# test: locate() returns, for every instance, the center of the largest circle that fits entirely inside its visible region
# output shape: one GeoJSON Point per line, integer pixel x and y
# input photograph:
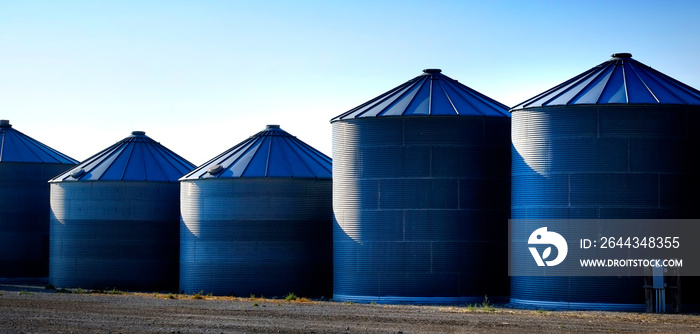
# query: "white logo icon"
{"type": "Point", "coordinates": [542, 237]}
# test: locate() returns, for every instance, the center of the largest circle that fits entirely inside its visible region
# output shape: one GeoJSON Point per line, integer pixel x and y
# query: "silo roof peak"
{"type": "Point", "coordinates": [134, 158]}
{"type": "Point", "coordinates": [622, 55]}
{"type": "Point", "coordinates": [272, 152]}
{"type": "Point", "coordinates": [15, 146]}
{"type": "Point", "coordinates": [429, 94]}
{"type": "Point", "coordinates": [619, 80]}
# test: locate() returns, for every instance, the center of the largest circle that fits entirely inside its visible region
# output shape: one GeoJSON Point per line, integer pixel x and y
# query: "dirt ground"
{"type": "Point", "coordinates": [33, 309]}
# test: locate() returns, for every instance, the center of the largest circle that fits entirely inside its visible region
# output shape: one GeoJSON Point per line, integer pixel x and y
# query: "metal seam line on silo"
{"type": "Point", "coordinates": [610, 143]}
{"type": "Point", "coordinates": [25, 166]}
{"type": "Point", "coordinates": [256, 219]}
{"type": "Point", "coordinates": [421, 195]}
{"type": "Point", "coordinates": [115, 218]}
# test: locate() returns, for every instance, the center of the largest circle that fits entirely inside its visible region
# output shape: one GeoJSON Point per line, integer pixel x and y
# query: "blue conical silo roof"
{"type": "Point", "coordinates": [15, 146]}
{"type": "Point", "coordinates": [269, 153]}
{"type": "Point", "coordinates": [134, 158]}
{"type": "Point", "coordinates": [431, 93]}
{"type": "Point", "coordinates": [620, 80]}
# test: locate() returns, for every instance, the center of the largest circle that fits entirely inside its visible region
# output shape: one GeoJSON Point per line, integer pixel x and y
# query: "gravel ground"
{"type": "Point", "coordinates": [32, 309]}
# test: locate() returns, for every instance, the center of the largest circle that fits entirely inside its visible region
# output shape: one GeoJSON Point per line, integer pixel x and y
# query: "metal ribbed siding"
{"type": "Point", "coordinates": [24, 218]}
{"type": "Point", "coordinates": [579, 293]}
{"type": "Point", "coordinates": [420, 208]}
{"type": "Point", "coordinates": [607, 162]}
{"type": "Point", "coordinates": [115, 235]}
{"type": "Point", "coordinates": [262, 236]}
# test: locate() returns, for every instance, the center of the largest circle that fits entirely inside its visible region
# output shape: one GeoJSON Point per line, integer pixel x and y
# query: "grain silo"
{"type": "Point", "coordinates": [257, 220]}
{"type": "Point", "coordinates": [421, 195]}
{"type": "Point", "coordinates": [115, 218]}
{"type": "Point", "coordinates": [25, 167]}
{"type": "Point", "coordinates": [614, 142]}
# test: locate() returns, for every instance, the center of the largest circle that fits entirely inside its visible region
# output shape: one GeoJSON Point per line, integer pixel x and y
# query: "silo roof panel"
{"type": "Point", "coordinates": [308, 156]}
{"type": "Point", "coordinates": [475, 104]}
{"type": "Point", "coordinates": [431, 93]}
{"type": "Point", "coordinates": [615, 89]}
{"type": "Point", "coordinates": [567, 95]}
{"type": "Point", "coordinates": [661, 92]}
{"type": "Point", "coordinates": [101, 167]}
{"type": "Point", "coordinates": [420, 105]}
{"type": "Point", "coordinates": [135, 158]}
{"type": "Point", "coordinates": [620, 80]}
{"type": "Point", "coordinates": [278, 163]}
{"type": "Point", "coordinates": [635, 84]}
{"type": "Point", "coordinates": [259, 161]}
{"type": "Point", "coordinates": [271, 153]}
{"type": "Point", "coordinates": [135, 167]}
{"type": "Point", "coordinates": [381, 106]}
{"type": "Point", "coordinates": [441, 101]}
{"type": "Point", "coordinates": [241, 164]}
{"type": "Point", "coordinates": [670, 90]}
{"type": "Point", "coordinates": [593, 87]}
{"type": "Point", "coordinates": [15, 146]}
{"type": "Point", "coordinates": [400, 104]}
{"type": "Point", "coordinates": [381, 103]}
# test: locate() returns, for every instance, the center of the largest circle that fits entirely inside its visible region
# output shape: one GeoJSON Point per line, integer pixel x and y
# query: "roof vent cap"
{"type": "Point", "coordinates": [5, 123]}
{"type": "Point", "coordinates": [272, 126]}
{"type": "Point", "coordinates": [432, 70]}
{"type": "Point", "coordinates": [76, 173]}
{"type": "Point", "coordinates": [138, 133]}
{"type": "Point", "coordinates": [216, 169]}
{"type": "Point", "coordinates": [622, 55]}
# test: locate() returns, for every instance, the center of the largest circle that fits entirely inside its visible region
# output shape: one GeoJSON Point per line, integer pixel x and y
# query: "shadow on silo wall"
{"type": "Point", "coordinates": [122, 235]}
{"type": "Point", "coordinates": [421, 206]}
{"type": "Point", "coordinates": [24, 217]}
{"type": "Point", "coordinates": [608, 162]}
{"type": "Point", "coordinates": [256, 236]}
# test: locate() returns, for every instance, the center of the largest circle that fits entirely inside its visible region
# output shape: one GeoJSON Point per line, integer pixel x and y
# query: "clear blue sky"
{"type": "Point", "coordinates": [200, 76]}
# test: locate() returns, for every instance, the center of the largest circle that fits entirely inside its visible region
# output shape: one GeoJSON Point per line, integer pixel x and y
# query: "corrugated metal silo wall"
{"type": "Point", "coordinates": [421, 208]}
{"type": "Point", "coordinates": [607, 162]}
{"type": "Point", "coordinates": [122, 235]}
{"type": "Point", "coordinates": [266, 237]}
{"type": "Point", "coordinates": [24, 218]}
